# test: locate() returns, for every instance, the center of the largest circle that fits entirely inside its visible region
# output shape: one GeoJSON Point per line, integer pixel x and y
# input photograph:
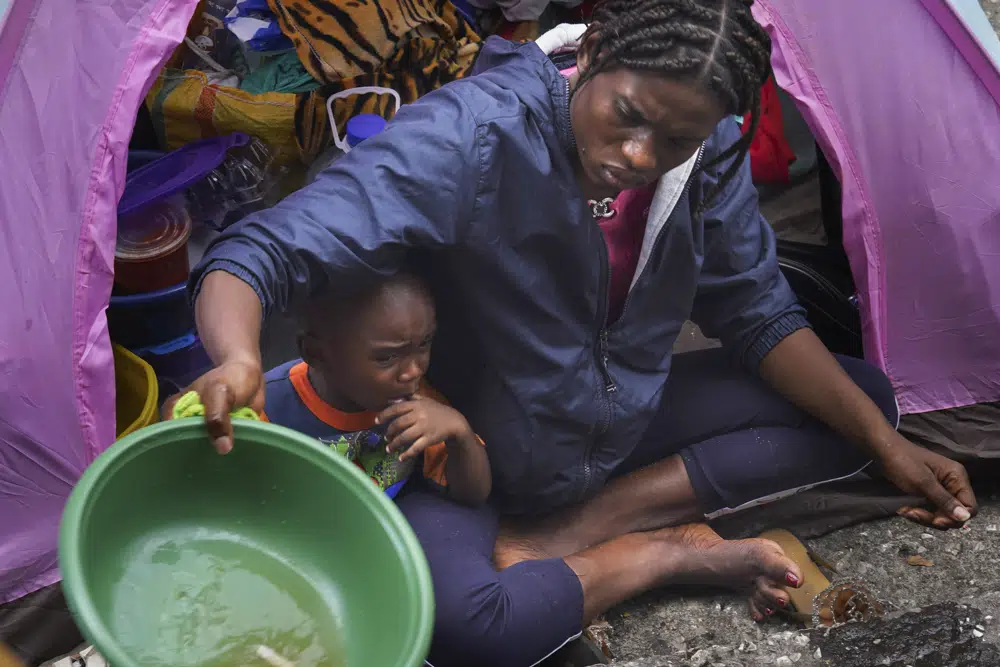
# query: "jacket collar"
{"type": "Point", "coordinates": [554, 91]}
{"type": "Point", "coordinates": [564, 37]}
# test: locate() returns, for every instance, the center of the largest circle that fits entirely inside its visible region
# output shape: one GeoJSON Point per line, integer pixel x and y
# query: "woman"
{"type": "Point", "coordinates": [571, 223]}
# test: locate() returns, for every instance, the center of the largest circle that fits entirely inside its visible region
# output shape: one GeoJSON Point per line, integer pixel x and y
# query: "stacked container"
{"type": "Point", "coordinates": [198, 189]}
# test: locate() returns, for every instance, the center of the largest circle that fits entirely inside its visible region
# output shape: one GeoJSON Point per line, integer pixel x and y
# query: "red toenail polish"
{"type": "Point", "coordinates": [781, 602]}
{"type": "Point", "coordinates": [768, 612]}
{"type": "Point", "coordinates": [792, 579]}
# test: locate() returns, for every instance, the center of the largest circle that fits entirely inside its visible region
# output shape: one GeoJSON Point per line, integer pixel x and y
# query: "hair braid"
{"type": "Point", "coordinates": [717, 42]}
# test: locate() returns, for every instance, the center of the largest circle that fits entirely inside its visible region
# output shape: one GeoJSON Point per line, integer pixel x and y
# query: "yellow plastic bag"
{"type": "Point", "coordinates": [185, 107]}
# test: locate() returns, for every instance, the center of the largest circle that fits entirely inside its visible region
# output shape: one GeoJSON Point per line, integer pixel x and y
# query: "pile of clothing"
{"type": "Point", "coordinates": [267, 67]}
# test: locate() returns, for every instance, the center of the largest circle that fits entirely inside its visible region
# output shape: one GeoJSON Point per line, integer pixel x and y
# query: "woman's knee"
{"type": "Point", "coordinates": [469, 627]}
{"type": "Point", "coordinates": [513, 618]}
{"type": "Point", "coordinates": [875, 383]}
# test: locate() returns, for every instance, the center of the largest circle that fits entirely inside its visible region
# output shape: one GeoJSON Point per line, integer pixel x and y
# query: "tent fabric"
{"type": "Point", "coordinates": [903, 100]}
{"type": "Point", "coordinates": [72, 75]}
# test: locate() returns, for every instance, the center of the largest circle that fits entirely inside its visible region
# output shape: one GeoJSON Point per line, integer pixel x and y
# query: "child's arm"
{"type": "Point", "coordinates": [416, 424]}
{"type": "Point", "coordinates": [468, 470]}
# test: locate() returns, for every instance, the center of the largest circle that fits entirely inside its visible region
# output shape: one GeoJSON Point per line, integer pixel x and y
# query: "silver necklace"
{"type": "Point", "coordinates": [601, 209]}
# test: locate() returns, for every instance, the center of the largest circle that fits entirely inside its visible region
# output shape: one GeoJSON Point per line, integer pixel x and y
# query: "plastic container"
{"type": "Point", "coordinates": [177, 363]}
{"type": "Point", "coordinates": [281, 507]}
{"type": "Point", "coordinates": [175, 172]}
{"type": "Point", "coordinates": [154, 318]}
{"type": "Point", "coordinates": [136, 393]}
{"type": "Point", "coordinates": [360, 127]}
{"type": "Point", "coordinates": [245, 181]}
{"type": "Point", "coordinates": [151, 251]}
{"type": "Point", "coordinates": [140, 158]}
{"type": "Point", "coordinates": [217, 180]}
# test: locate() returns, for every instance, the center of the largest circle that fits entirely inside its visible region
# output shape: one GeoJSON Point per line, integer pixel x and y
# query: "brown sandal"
{"type": "Point", "coordinates": [818, 602]}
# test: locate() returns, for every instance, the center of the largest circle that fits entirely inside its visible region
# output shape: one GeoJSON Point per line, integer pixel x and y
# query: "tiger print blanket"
{"type": "Point", "coordinates": [412, 46]}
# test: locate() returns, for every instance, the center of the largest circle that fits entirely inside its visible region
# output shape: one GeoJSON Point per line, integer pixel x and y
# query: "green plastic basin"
{"type": "Point", "coordinates": [173, 555]}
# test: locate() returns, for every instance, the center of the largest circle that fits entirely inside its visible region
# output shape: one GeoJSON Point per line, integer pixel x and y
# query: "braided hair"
{"type": "Point", "coordinates": [713, 41]}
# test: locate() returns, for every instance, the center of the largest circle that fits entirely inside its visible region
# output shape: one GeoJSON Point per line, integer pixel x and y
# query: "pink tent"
{"type": "Point", "coordinates": [903, 98]}
{"type": "Point", "coordinates": [72, 75]}
{"type": "Point", "coordinates": [900, 94]}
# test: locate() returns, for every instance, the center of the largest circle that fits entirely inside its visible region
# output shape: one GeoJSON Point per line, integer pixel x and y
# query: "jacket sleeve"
{"type": "Point", "coordinates": [742, 299]}
{"type": "Point", "coordinates": [411, 186]}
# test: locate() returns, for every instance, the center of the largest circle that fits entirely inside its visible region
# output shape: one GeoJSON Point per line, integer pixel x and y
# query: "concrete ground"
{"type": "Point", "coordinates": [665, 630]}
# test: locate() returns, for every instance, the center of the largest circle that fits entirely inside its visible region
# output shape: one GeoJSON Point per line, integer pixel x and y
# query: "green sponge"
{"type": "Point", "coordinates": [189, 405]}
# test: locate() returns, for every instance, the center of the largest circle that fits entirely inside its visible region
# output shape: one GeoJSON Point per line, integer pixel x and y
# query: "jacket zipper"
{"type": "Point", "coordinates": [656, 242]}
{"type": "Point", "coordinates": [601, 355]}
{"type": "Point", "coordinates": [610, 387]}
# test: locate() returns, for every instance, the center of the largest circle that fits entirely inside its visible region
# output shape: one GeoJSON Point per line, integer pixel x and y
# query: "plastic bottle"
{"type": "Point", "coordinates": [360, 127]}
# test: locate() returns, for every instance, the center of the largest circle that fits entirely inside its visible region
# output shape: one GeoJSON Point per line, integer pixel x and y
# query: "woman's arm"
{"type": "Point", "coordinates": [228, 316]}
{"type": "Point", "coordinates": [742, 298]}
{"type": "Point", "coordinates": [411, 186]}
{"type": "Point", "coordinates": [803, 371]}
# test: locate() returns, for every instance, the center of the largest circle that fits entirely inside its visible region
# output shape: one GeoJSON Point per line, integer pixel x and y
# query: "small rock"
{"type": "Point", "coordinates": [927, 536]}
{"type": "Point", "coordinates": [818, 654]}
{"type": "Point", "coordinates": [783, 661]}
{"type": "Point", "coordinates": [977, 633]}
{"type": "Point", "coordinates": [795, 657]}
{"type": "Point", "coordinates": [700, 658]}
{"type": "Point", "coordinates": [921, 549]}
{"type": "Point", "coordinates": [801, 640]}
{"type": "Point", "coordinates": [992, 528]}
{"type": "Point", "coordinates": [919, 561]}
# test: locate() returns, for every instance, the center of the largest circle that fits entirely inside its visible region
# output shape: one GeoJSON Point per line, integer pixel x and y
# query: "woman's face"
{"type": "Point", "coordinates": [632, 127]}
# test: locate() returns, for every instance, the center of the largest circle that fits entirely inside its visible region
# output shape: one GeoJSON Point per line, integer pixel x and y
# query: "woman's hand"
{"type": "Point", "coordinates": [942, 481]}
{"type": "Point", "coordinates": [232, 385]}
{"type": "Point", "coordinates": [420, 422]}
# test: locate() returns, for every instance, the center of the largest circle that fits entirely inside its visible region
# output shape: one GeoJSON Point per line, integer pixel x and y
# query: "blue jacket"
{"type": "Point", "coordinates": [477, 178]}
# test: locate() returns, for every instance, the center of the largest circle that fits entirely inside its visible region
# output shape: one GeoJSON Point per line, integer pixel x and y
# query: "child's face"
{"type": "Point", "coordinates": [380, 356]}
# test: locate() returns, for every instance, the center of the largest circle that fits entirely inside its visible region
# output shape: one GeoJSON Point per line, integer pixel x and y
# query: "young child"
{"type": "Point", "coordinates": [359, 388]}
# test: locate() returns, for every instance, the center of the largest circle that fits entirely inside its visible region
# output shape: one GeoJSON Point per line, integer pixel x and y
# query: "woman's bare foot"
{"type": "Point", "coordinates": [696, 554]}
{"type": "Point", "coordinates": [689, 554]}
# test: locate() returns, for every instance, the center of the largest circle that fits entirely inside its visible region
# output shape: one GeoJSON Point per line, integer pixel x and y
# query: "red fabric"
{"type": "Point", "coordinates": [623, 234]}
{"type": "Point", "coordinates": [770, 153]}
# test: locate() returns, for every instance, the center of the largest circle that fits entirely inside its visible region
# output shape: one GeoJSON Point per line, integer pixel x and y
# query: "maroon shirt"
{"type": "Point", "coordinates": [623, 234]}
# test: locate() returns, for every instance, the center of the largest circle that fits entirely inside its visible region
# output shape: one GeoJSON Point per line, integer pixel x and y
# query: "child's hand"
{"type": "Point", "coordinates": [420, 422]}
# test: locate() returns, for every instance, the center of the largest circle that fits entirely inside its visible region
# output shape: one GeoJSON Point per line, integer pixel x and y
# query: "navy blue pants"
{"type": "Point", "coordinates": [742, 444]}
